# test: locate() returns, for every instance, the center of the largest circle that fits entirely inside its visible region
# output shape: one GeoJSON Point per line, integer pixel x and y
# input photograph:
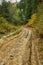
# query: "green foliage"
{"type": "Point", "coordinates": [29, 7]}
{"type": "Point", "coordinates": [18, 13]}
{"type": "Point", "coordinates": [32, 20]}
{"type": "Point", "coordinates": [39, 21]}
{"type": "Point", "coordinates": [4, 8]}
{"type": "Point", "coordinates": [5, 26]}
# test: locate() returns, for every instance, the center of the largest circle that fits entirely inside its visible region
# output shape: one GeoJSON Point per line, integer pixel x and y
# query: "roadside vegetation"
{"type": "Point", "coordinates": [25, 12]}
{"type": "Point", "coordinates": [39, 20]}
{"type": "Point", "coordinates": [36, 19]}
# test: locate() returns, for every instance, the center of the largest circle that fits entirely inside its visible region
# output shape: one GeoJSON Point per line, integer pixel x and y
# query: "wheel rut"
{"type": "Point", "coordinates": [20, 50]}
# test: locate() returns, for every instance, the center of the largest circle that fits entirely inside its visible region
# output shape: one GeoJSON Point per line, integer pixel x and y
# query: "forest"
{"type": "Point", "coordinates": [25, 12]}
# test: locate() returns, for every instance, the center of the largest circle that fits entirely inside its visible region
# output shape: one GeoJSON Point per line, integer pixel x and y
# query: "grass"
{"type": "Point", "coordinates": [32, 20]}
{"type": "Point", "coordinates": [7, 28]}
{"type": "Point", "coordinates": [36, 20]}
{"type": "Point", "coordinates": [14, 32]}
{"type": "Point", "coordinates": [39, 20]}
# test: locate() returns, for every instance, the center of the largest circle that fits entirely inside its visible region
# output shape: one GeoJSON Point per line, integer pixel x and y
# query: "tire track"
{"type": "Point", "coordinates": [34, 51]}
{"type": "Point", "coordinates": [8, 44]}
{"type": "Point", "coordinates": [21, 52]}
{"type": "Point", "coordinates": [25, 34]}
{"type": "Point", "coordinates": [19, 55]}
{"type": "Point", "coordinates": [6, 40]}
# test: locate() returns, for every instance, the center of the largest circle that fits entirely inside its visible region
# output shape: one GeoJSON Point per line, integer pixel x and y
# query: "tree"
{"type": "Point", "coordinates": [5, 10]}
{"type": "Point", "coordinates": [29, 7]}
{"type": "Point", "coordinates": [0, 11]}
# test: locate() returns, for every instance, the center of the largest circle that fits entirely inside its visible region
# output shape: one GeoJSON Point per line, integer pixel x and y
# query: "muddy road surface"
{"type": "Point", "coordinates": [19, 50]}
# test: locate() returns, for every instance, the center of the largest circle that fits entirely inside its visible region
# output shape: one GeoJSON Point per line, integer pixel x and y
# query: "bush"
{"type": "Point", "coordinates": [5, 26]}
{"type": "Point", "coordinates": [39, 21]}
{"type": "Point", "coordinates": [32, 20]}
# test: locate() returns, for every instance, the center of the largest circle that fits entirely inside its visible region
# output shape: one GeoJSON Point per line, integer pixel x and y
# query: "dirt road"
{"type": "Point", "coordinates": [20, 50]}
